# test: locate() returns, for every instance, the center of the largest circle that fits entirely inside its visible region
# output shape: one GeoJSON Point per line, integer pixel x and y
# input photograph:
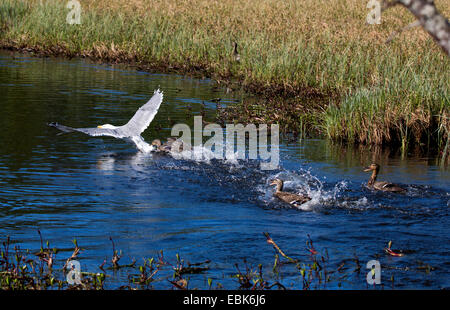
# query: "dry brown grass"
{"type": "Point", "coordinates": [324, 21]}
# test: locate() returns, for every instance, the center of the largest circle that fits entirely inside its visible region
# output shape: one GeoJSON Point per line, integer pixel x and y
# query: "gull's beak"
{"type": "Point", "coordinates": [99, 126]}
{"type": "Point", "coordinates": [273, 183]}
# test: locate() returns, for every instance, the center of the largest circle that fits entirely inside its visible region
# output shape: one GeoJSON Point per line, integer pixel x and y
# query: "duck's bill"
{"type": "Point", "coordinates": [273, 183]}
{"type": "Point", "coordinates": [367, 169]}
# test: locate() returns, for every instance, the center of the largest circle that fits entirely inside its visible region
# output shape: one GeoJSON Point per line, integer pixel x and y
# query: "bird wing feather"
{"type": "Point", "coordinates": [144, 116]}
{"type": "Point", "coordinates": [95, 132]}
{"type": "Point", "coordinates": [292, 198]}
{"type": "Point", "coordinates": [137, 124]}
{"type": "Point", "coordinates": [89, 131]}
{"type": "Point", "coordinates": [386, 186]}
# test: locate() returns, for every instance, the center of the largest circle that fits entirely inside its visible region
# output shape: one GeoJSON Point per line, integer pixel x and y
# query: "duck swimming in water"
{"type": "Point", "coordinates": [381, 185]}
{"type": "Point", "coordinates": [172, 145]}
{"type": "Point", "coordinates": [160, 147]}
{"type": "Point", "coordinates": [291, 198]}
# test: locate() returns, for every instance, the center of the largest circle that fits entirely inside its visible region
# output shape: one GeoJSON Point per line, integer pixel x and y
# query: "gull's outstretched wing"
{"type": "Point", "coordinates": [89, 131]}
{"type": "Point", "coordinates": [144, 116]}
{"type": "Point", "coordinates": [95, 132]}
{"type": "Point", "coordinates": [137, 124]}
{"type": "Point", "coordinates": [61, 127]}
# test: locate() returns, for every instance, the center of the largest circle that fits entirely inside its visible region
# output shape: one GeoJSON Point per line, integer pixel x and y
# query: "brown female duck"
{"type": "Point", "coordinates": [381, 185]}
{"type": "Point", "coordinates": [291, 198]}
{"type": "Point", "coordinates": [163, 147]}
{"type": "Point", "coordinates": [172, 145]}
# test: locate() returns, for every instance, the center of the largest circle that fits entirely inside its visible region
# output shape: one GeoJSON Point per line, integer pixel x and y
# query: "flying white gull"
{"type": "Point", "coordinates": [130, 131]}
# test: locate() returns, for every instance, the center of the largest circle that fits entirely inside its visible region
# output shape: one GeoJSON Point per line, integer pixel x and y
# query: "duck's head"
{"type": "Point", "coordinates": [107, 126]}
{"type": "Point", "coordinates": [372, 167]}
{"type": "Point", "coordinates": [156, 142]}
{"type": "Point", "coordinates": [278, 183]}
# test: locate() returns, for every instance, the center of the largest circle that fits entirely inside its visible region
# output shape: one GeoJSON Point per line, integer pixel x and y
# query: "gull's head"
{"type": "Point", "coordinates": [107, 126]}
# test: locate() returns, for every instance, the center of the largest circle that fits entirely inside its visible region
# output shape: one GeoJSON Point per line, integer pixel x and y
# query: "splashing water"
{"type": "Point", "coordinates": [200, 154]}
{"type": "Point", "coordinates": [304, 183]}
{"type": "Point", "coordinates": [197, 153]}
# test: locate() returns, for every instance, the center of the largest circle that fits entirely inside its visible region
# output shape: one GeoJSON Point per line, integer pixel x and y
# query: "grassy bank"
{"type": "Point", "coordinates": [314, 56]}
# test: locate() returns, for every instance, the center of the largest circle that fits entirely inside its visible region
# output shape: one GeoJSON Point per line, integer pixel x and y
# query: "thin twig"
{"type": "Point", "coordinates": [397, 32]}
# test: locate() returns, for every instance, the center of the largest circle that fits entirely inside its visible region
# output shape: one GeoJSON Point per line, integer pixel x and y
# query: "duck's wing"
{"type": "Point", "coordinates": [300, 200]}
{"type": "Point", "coordinates": [95, 132]}
{"type": "Point", "coordinates": [292, 199]}
{"type": "Point", "coordinates": [389, 187]}
{"type": "Point", "coordinates": [144, 116]}
{"type": "Point", "coordinates": [394, 188]}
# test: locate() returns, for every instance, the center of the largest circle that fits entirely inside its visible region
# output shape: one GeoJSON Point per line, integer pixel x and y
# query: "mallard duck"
{"type": "Point", "coordinates": [172, 145]}
{"type": "Point", "coordinates": [163, 147]}
{"type": "Point", "coordinates": [380, 185]}
{"type": "Point", "coordinates": [291, 198]}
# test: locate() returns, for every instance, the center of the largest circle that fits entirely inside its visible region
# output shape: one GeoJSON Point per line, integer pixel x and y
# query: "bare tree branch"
{"type": "Point", "coordinates": [395, 33]}
{"type": "Point", "coordinates": [429, 17]}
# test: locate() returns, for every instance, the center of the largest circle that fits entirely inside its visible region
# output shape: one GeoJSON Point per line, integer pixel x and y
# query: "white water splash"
{"type": "Point", "coordinates": [303, 182]}
{"type": "Point", "coordinates": [358, 204]}
{"type": "Point", "coordinates": [197, 153]}
{"type": "Point", "coordinates": [201, 154]}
